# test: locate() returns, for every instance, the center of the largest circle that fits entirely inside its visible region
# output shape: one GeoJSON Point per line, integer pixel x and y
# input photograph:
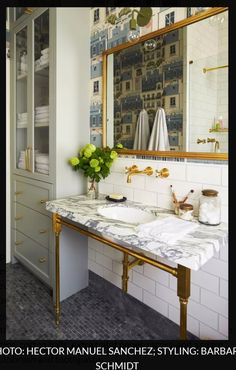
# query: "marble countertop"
{"type": "Point", "coordinates": [192, 251]}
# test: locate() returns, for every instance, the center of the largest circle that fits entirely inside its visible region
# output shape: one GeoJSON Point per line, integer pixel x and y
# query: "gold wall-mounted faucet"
{"type": "Point", "coordinates": [133, 170]}
{"type": "Point", "coordinates": [213, 140]}
{"type": "Point", "coordinates": [201, 141]}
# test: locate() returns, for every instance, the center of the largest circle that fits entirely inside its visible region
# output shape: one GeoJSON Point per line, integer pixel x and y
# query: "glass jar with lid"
{"type": "Point", "coordinates": [209, 207]}
{"type": "Point", "coordinates": [186, 211]}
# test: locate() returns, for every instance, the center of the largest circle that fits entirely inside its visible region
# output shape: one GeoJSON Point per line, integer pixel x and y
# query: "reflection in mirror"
{"type": "Point", "coordinates": [170, 93]}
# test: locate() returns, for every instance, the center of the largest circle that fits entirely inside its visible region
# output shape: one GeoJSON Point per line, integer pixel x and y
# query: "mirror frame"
{"type": "Point", "coordinates": [196, 155]}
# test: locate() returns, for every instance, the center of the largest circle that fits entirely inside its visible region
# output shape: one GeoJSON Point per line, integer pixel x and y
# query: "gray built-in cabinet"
{"type": "Point", "coordinates": [50, 66]}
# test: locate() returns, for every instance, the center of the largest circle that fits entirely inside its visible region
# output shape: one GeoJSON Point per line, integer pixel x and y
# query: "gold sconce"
{"type": "Point", "coordinates": [144, 16]}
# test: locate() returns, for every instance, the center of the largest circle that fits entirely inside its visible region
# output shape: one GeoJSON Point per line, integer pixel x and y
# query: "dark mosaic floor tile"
{"type": "Point", "coordinates": [99, 312]}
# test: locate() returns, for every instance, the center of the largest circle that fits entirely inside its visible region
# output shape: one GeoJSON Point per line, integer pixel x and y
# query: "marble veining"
{"type": "Point", "coordinates": [192, 251]}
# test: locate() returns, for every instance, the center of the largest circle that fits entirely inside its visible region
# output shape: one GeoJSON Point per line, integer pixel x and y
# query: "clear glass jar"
{"type": "Point", "coordinates": [209, 207]}
{"type": "Point", "coordinates": [186, 211]}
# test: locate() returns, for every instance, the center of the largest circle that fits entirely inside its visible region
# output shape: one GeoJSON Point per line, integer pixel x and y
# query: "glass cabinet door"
{"type": "Point", "coordinates": [41, 94]}
{"type": "Point", "coordinates": [22, 117]}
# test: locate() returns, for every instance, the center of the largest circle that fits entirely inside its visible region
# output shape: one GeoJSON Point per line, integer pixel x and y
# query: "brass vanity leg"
{"type": "Point", "coordinates": [125, 276]}
{"type": "Point", "coordinates": [57, 230]}
{"type": "Point", "coordinates": [183, 292]}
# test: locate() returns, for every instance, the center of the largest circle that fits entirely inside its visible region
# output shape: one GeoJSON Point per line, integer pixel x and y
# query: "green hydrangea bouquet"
{"type": "Point", "coordinates": [95, 162]}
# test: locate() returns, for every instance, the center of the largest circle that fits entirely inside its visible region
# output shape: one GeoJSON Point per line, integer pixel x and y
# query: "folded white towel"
{"type": "Point", "coordinates": [42, 166]}
{"type": "Point", "coordinates": [45, 172]}
{"type": "Point", "coordinates": [42, 159]}
{"type": "Point", "coordinates": [167, 230]}
{"type": "Point", "coordinates": [42, 120]}
{"type": "Point", "coordinates": [21, 115]}
{"type": "Point", "coordinates": [45, 51]}
{"type": "Point", "coordinates": [42, 114]}
{"type": "Point", "coordinates": [39, 116]}
{"type": "Point", "coordinates": [42, 108]}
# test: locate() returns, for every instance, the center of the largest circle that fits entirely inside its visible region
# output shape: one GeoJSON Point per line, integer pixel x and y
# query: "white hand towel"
{"type": "Point", "coordinates": [167, 230]}
{"type": "Point", "coordinates": [42, 159]}
{"type": "Point", "coordinates": [159, 137]}
{"type": "Point", "coordinates": [45, 51]}
{"type": "Point", "coordinates": [42, 108]}
{"type": "Point", "coordinates": [45, 172]}
{"type": "Point", "coordinates": [42, 166]}
{"type": "Point", "coordinates": [42, 115]}
{"type": "Point", "coordinates": [142, 132]}
{"type": "Point", "coordinates": [41, 120]}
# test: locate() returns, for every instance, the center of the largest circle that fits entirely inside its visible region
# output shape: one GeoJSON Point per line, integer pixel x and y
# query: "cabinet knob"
{"type": "Point", "coordinates": [42, 259]}
{"type": "Point", "coordinates": [18, 242]}
{"type": "Point", "coordinates": [42, 201]}
{"type": "Point", "coordinates": [18, 192]}
{"type": "Point", "coordinates": [17, 218]}
{"type": "Point", "coordinates": [43, 231]}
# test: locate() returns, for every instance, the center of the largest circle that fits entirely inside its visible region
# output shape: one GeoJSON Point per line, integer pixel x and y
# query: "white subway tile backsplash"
{"type": "Point", "coordinates": [164, 201]}
{"type": "Point", "coordinates": [224, 177]}
{"type": "Point", "coordinates": [207, 306]}
{"type": "Point", "coordinates": [156, 274]}
{"type": "Point", "coordinates": [112, 277]}
{"type": "Point", "coordinates": [167, 295]}
{"type": "Point", "coordinates": [91, 254]}
{"type": "Point", "coordinates": [204, 174]}
{"type": "Point", "coordinates": [120, 163]}
{"type": "Point", "coordinates": [207, 333]}
{"type": "Point", "coordinates": [203, 314]}
{"type": "Point", "coordinates": [157, 304]}
{"type": "Point", "coordinates": [95, 267]}
{"type": "Point", "coordinates": [97, 246]}
{"type": "Point", "coordinates": [214, 302]}
{"type": "Point", "coordinates": [116, 178]}
{"type": "Point", "coordinates": [225, 214]}
{"type": "Point", "coordinates": [192, 324]}
{"type": "Point", "coordinates": [105, 188]}
{"type": "Point", "coordinates": [217, 267]}
{"type": "Point", "coordinates": [223, 325]}
{"type": "Point", "coordinates": [135, 291]}
{"type": "Point", "coordinates": [224, 287]}
{"type": "Point", "coordinates": [117, 268]}
{"type": "Point", "coordinates": [144, 196]}
{"type": "Point", "coordinates": [112, 253]}
{"type": "Point", "coordinates": [144, 282]}
{"type": "Point", "coordinates": [205, 280]}
{"type": "Point", "coordinates": [104, 260]}
{"type": "Point", "coordinates": [224, 253]}
{"type": "Point", "coordinates": [177, 170]}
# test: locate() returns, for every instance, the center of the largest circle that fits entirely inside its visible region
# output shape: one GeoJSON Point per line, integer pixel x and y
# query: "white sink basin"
{"type": "Point", "coordinates": [126, 214]}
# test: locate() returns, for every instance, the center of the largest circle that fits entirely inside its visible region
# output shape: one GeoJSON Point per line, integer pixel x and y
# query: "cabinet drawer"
{"type": "Point", "coordinates": [32, 195]}
{"type": "Point", "coordinates": [33, 224]}
{"type": "Point", "coordinates": [33, 255]}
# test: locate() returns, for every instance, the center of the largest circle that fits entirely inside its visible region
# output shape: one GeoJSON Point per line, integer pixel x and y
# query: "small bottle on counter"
{"type": "Point", "coordinates": [209, 207]}
{"type": "Point", "coordinates": [186, 211]}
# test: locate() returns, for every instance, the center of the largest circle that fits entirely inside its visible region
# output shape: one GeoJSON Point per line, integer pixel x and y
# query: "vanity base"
{"type": "Point", "coordinates": [181, 273]}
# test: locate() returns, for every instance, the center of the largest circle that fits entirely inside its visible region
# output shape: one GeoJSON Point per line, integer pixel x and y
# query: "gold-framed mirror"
{"type": "Point", "coordinates": [182, 81]}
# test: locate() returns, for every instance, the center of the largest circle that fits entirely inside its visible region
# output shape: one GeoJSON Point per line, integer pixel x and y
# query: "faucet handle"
{"type": "Point", "coordinates": [148, 170]}
{"type": "Point", "coordinates": [132, 168]}
{"type": "Point", "coordinates": [164, 172]}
